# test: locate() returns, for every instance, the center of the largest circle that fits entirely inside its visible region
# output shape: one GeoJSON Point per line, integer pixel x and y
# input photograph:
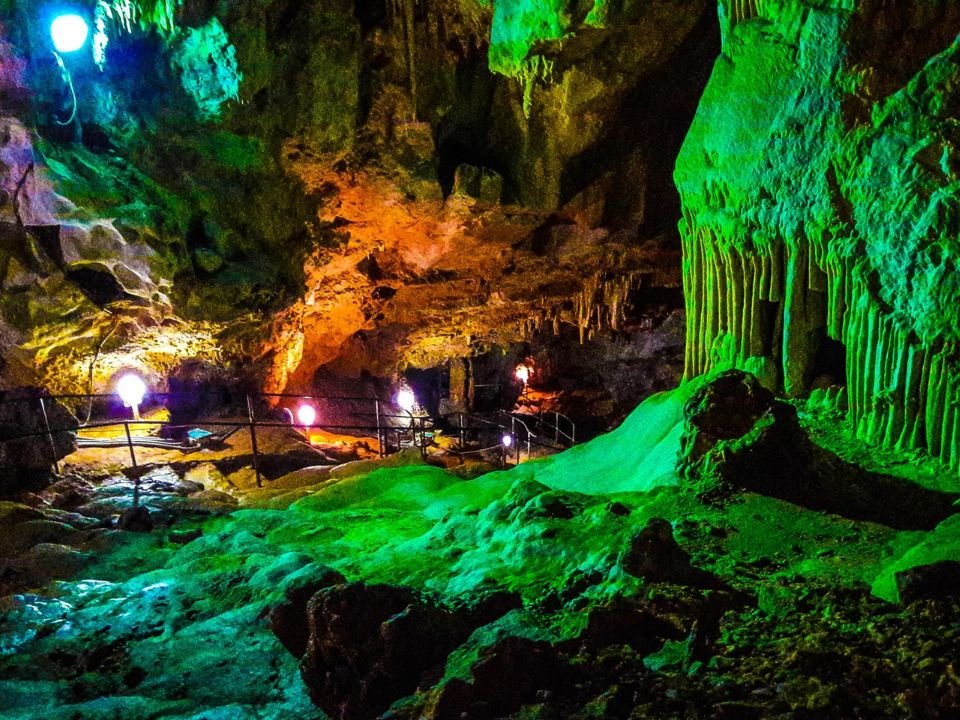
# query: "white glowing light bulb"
{"type": "Point", "coordinates": [131, 389]}
{"type": "Point", "coordinates": [507, 440]}
{"type": "Point", "coordinates": [406, 400]}
{"type": "Point", "coordinates": [69, 33]}
{"type": "Point", "coordinates": [522, 373]}
{"type": "Point", "coordinates": [306, 414]}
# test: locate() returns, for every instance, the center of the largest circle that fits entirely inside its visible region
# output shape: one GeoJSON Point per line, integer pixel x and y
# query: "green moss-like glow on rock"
{"type": "Point", "coordinates": [801, 226]}
{"type": "Point", "coordinates": [517, 26]}
{"type": "Point", "coordinates": [207, 64]}
{"type": "Point", "coordinates": [196, 610]}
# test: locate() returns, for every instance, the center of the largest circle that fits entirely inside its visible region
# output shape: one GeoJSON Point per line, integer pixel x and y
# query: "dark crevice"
{"type": "Point", "coordinates": [830, 361]}
{"type": "Point", "coordinates": [99, 285]}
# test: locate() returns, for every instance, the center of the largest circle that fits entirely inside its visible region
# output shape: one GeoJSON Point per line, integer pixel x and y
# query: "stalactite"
{"type": "Point", "coordinates": [603, 302]}
{"type": "Point", "coordinates": [899, 393]}
{"type": "Point", "coordinates": [740, 10]}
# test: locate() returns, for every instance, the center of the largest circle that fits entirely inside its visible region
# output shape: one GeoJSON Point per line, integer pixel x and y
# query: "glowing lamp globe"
{"type": "Point", "coordinates": [522, 374]}
{"type": "Point", "coordinates": [69, 33]}
{"type": "Point", "coordinates": [306, 414]}
{"type": "Point", "coordinates": [131, 389]}
{"type": "Point", "coordinates": [507, 440]}
{"type": "Point", "coordinates": [406, 400]}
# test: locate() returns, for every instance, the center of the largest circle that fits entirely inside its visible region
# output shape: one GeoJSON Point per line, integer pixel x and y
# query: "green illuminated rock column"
{"type": "Point", "coordinates": [818, 184]}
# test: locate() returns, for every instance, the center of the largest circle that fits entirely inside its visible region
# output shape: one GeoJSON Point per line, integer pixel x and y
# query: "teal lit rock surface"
{"type": "Point", "coordinates": [819, 234]}
{"type": "Point", "coordinates": [406, 590]}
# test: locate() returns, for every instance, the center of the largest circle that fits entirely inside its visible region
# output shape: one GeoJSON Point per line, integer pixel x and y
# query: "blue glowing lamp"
{"type": "Point", "coordinates": [69, 33]}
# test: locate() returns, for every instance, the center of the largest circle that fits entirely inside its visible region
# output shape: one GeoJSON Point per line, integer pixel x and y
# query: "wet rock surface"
{"type": "Point", "coordinates": [509, 599]}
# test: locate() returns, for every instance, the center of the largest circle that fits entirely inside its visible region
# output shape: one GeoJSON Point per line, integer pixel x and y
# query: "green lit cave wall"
{"type": "Point", "coordinates": [820, 218]}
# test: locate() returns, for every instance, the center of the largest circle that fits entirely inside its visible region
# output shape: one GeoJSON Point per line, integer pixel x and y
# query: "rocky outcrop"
{"type": "Point", "coordinates": [936, 581]}
{"type": "Point", "coordinates": [406, 182]}
{"type": "Point", "coordinates": [740, 434]}
{"type": "Point", "coordinates": [371, 645]}
{"type": "Point", "coordinates": [656, 556]}
{"type": "Point", "coordinates": [818, 233]}
{"type": "Point", "coordinates": [32, 439]}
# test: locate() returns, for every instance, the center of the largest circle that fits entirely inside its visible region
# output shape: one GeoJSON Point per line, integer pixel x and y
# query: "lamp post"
{"type": "Point", "coordinates": [306, 416]}
{"type": "Point", "coordinates": [506, 442]}
{"type": "Point", "coordinates": [131, 388]}
{"type": "Point", "coordinates": [406, 401]}
{"type": "Point", "coordinates": [69, 33]}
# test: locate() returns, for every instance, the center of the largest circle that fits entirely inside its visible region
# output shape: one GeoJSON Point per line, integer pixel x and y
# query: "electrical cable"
{"type": "Point", "coordinates": [68, 79]}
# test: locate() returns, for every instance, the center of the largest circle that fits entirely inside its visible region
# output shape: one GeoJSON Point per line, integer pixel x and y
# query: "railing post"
{"type": "Point", "coordinates": [253, 441]}
{"type": "Point", "coordinates": [423, 438]}
{"type": "Point", "coordinates": [381, 436]}
{"type": "Point", "coordinates": [556, 428]}
{"type": "Point", "coordinates": [46, 427]}
{"type": "Point", "coordinates": [133, 459]}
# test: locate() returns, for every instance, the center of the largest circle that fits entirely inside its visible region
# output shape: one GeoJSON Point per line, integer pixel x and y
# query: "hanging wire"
{"type": "Point", "coordinates": [68, 79]}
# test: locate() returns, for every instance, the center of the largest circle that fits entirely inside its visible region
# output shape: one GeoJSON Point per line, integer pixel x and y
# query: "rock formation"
{"type": "Point", "coordinates": [366, 187]}
{"type": "Point", "coordinates": [819, 228]}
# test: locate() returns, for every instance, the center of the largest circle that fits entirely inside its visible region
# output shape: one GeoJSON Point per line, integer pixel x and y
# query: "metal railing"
{"type": "Point", "coordinates": [551, 427]}
{"type": "Point", "coordinates": [394, 431]}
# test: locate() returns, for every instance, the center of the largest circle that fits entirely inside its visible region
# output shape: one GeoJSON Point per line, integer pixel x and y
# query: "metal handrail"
{"type": "Point", "coordinates": [419, 425]}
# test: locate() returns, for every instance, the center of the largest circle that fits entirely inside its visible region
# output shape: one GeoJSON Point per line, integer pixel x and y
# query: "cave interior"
{"type": "Point", "coordinates": [479, 359]}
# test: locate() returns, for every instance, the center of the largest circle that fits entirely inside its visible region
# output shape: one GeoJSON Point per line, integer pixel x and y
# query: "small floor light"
{"type": "Point", "coordinates": [131, 389]}
{"type": "Point", "coordinates": [306, 415]}
{"type": "Point", "coordinates": [406, 400]}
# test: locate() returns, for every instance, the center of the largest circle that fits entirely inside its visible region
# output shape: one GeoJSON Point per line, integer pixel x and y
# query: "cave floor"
{"type": "Point", "coordinates": [171, 621]}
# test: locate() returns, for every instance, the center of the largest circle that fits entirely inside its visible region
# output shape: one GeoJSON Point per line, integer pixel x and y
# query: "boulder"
{"type": "Point", "coordinates": [25, 464]}
{"type": "Point", "coordinates": [45, 562]}
{"type": "Point", "coordinates": [371, 645]}
{"type": "Point", "coordinates": [740, 435]}
{"type": "Point", "coordinates": [288, 620]}
{"type": "Point", "coordinates": [136, 519]}
{"type": "Point", "coordinates": [653, 554]}
{"type": "Point", "coordinates": [507, 675]}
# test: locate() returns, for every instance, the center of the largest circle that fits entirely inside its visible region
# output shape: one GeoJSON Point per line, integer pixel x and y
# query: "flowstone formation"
{"type": "Point", "coordinates": [819, 222]}
{"type": "Point", "coordinates": [604, 582]}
